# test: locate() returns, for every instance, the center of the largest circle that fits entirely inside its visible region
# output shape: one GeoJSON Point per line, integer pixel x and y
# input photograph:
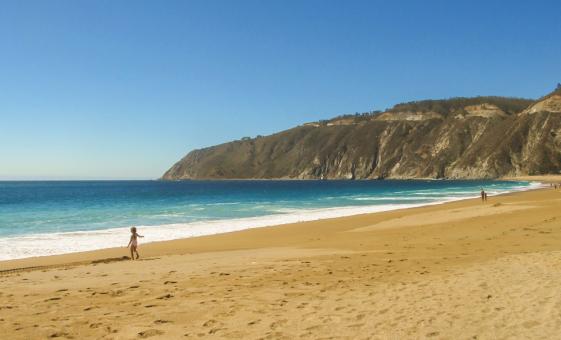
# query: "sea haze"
{"type": "Point", "coordinates": [56, 217]}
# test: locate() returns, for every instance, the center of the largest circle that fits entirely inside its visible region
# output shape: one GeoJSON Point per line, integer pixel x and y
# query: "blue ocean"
{"type": "Point", "coordinates": [55, 217]}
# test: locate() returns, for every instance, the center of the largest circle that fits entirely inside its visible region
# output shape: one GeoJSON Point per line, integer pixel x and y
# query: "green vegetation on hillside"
{"type": "Point", "coordinates": [446, 106]}
{"type": "Point", "coordinates": [443, 106]}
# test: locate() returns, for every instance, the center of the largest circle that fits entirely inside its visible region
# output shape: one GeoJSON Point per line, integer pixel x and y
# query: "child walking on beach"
{"type": "Point", "coordinates": [133, 243]}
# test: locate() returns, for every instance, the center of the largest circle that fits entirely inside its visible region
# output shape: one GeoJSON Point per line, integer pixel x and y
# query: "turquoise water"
{"type": "Point", "coordinates": [42, 218]}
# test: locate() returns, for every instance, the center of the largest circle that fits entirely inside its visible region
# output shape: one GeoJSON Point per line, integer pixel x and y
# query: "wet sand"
{"type": "Point", "coordinates": [461, 270]}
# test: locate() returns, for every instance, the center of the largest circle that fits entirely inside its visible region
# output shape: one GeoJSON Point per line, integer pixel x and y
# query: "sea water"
{"type": "Point", "coordinates": [55, 217]}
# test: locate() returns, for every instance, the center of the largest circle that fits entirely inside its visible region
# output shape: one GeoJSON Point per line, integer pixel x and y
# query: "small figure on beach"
{"type": "Point", "coordinates": [483, 195]}
{"type": "Point", "coordinates": [133, 243]}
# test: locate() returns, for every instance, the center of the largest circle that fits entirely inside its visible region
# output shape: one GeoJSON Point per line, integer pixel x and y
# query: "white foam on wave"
{"type": "Point", "coordinates": [394, 198]}
{"type": "Point", "coordinates": [69, 242]}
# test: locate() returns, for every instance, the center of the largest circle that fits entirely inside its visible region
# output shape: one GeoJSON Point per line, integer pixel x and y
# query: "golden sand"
{"type": "Point", "coordinates": [461, 270]}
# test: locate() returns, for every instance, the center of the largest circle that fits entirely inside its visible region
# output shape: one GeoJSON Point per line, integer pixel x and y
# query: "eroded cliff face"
{"type": "Point", "coordinates": [445, 140]}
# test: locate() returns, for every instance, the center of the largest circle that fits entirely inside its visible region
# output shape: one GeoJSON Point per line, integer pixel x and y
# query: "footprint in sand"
{"type": "Point", "coordinates": [215, 330]}
{"type": "Point", "coordinates": [278, 324]}
{"type": "Point", "coordinates": [149, 333]}
{"type": "Point", "coordinates": [209, 323]}
{"type": "Point", "coordinates": [117, 292]}
{"type": "Point", "coordinates": [59, 335]}
{"type": "Point", "coordinates": [165, 297]}
{"type": "Point", "coordinates": [159, 321]}
{"type": "Point", "coordinates": [53, 299]}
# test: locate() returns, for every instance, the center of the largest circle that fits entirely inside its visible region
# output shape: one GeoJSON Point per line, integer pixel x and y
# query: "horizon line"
{"type": "Point", "coordinates": [70, 179]}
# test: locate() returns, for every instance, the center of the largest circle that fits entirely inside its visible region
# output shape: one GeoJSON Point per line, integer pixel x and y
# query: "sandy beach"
{"type": "Point", "coordinates": [460, 270]}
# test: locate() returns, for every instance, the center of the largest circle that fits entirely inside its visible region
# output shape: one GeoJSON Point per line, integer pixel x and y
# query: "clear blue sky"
{"type": "Point", "coordinates": [123, 89]}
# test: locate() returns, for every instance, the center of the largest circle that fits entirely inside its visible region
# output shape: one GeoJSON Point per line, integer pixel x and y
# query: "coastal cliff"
{"type": "Point", "coordinates": [482, 137]}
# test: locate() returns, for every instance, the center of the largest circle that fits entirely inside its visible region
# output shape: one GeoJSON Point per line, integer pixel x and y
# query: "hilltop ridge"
{"type": "Point", "coordinates": [480, 137]}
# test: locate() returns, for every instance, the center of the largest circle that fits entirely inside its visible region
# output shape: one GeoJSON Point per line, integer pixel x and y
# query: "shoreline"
{"type": "Point", "coordinates": [111, 253]}
{"type": "Point", "coordinates": [463, 269]}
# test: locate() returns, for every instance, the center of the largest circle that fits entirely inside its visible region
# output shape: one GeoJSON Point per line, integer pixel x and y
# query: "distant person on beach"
{"type": "Point", "coordinates": [483, 195]}
{"type": "Point", "coordinates": [133, 243]}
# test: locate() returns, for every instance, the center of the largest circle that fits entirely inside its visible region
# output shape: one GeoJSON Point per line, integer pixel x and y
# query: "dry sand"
{"type": "Point", "coordinates": [462, 270]}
